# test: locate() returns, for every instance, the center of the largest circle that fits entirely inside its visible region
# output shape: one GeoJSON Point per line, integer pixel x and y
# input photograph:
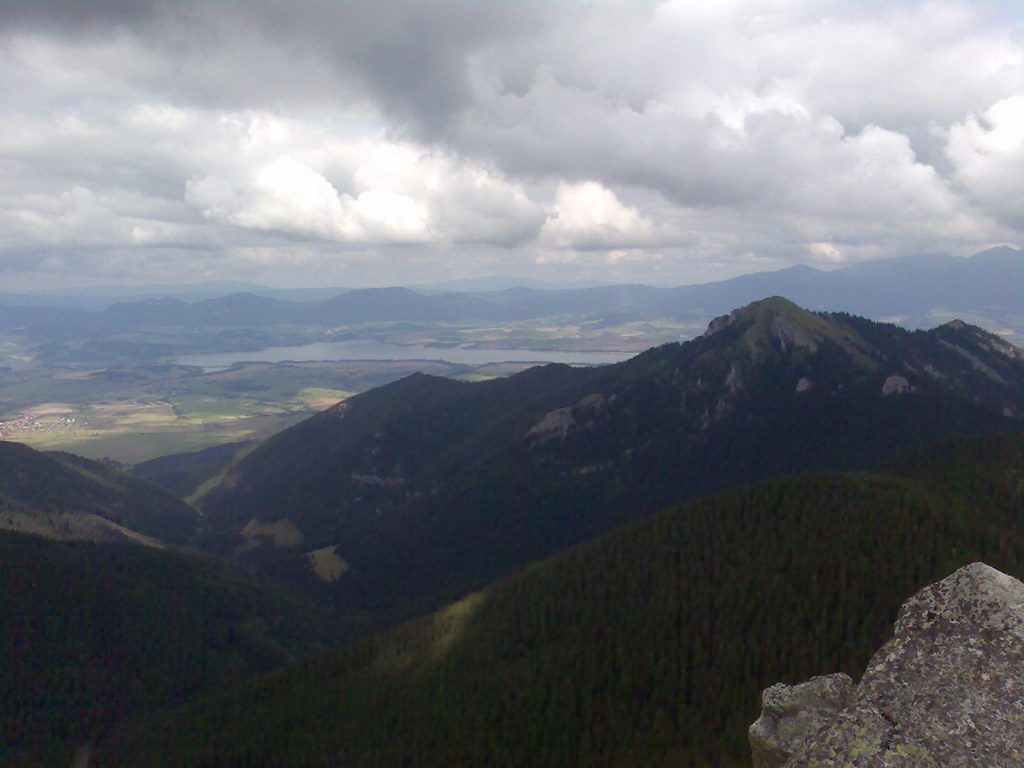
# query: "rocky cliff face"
{"type": "Point", "coordinates": [946, 691]}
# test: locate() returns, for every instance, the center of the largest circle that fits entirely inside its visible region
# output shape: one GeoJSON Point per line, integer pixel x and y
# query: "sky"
{"type": "Point", "coordinates": [389, 142]}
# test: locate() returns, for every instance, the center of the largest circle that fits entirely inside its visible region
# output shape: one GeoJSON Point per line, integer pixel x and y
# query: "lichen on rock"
{"type": "Point", "coordinates": [946, 690]}
{"type": "Point", "coordinates": [792, 714]}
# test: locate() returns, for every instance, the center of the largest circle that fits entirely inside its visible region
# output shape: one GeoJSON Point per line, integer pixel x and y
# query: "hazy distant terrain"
{"type": "Point", "coordinates": [96, 373]}
{"type": "Point", "coordinates": [135, 413]}
{"type": "Point", "coordinates": [504, 384]}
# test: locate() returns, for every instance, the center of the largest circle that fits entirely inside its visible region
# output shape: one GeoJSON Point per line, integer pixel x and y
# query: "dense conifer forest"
{"type": "Point", "coordinates": [62, 483]}
{"type": "Point", "coordinates": [93, 633]}
{"type": "Point", "coordinates": [648, 646]}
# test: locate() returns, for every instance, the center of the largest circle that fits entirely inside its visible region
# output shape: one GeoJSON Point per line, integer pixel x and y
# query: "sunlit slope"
{"type": "Point", "coordinates": [648, 646]}
{"type": "Point", "coordinates": [183, 473]}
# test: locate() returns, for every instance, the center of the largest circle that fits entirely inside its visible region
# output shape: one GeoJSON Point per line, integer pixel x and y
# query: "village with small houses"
{"type": "Point", "coordinates": [35, 422]}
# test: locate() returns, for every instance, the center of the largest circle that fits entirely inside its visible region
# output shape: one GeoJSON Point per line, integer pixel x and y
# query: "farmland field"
{"type": "Point", "coordinates": [133, 397]}
{"type": "Point", "coordinates": [138, 413]}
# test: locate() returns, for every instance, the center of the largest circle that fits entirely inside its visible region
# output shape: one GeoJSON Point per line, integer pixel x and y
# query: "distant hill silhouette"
{"type": "Point", "coordinates": [910, 288]}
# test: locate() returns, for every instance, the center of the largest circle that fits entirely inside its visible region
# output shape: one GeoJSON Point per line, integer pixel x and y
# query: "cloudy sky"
{"type": "Point", "coordinates": [380, 142]}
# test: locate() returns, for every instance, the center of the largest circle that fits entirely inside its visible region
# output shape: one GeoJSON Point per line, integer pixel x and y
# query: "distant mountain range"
{"type": "Point", "coordinates": [430, 485]}
{"type": "Point", "coordinates": [504, 282]}
{"type": "Point", "coordinates": [918, 291]}
{"type": "Point", "coordinates": [904, 289]}
{"type": "Point", "coordinates": [101, 296]}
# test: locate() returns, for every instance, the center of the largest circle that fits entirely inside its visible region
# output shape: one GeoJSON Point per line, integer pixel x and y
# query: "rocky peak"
{"type": "Point", "coordinates": [778, 323]}
{"type": "Point", "coordinates": [792, 714]}
{"type": "Point", "coordinates": [764, 312]}
{"type": "Point", "coordinates": [975, 597]}
{"type": "Point", "coordinates": [946, 690]}
{"type": "Point", "coordinates": [957, 334]}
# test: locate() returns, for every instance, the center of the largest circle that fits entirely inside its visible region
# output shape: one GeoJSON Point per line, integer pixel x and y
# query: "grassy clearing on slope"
{"type": "Point", "coordinates": [321, 397]}
{"type": "Point", "coordinates": [130, 445]}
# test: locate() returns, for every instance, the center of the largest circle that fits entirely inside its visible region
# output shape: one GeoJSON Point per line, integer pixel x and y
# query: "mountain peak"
{"type": "Point", "coordinates": [779, 319]}
{"type": "Point", "coordinates": [758, 312]}
{"type": "Point", "coordinates": [956, 333]}
{"type": "Point", "coordinates": [999, 252]}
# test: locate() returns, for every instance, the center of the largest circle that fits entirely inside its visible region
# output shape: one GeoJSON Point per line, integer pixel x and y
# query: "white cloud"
{"type": "Point", "coordinates": [588, 216]}
{"type": "Point", "coordinates": [704, 137]}
{"type": "Point", "coordinates": [289, 197]}
{"type": "Point", "coordinates": [390, 192]}
{"type": "Point", "coordinates": [988, 156]}
{"type": "Point", "coordinates": [828, 252]}
{"type": "Point", "coordinates": [869, 185]}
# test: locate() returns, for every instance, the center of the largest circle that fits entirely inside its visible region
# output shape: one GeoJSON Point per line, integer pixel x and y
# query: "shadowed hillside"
{"type": "Point", "coordinates": [427, 486]}
{"type": "Point", "coordinates": [648, 646]}
{"type": "Point", "coordinates": [64, 496]}
{"type": "Point", "coordinates": [93, 633]}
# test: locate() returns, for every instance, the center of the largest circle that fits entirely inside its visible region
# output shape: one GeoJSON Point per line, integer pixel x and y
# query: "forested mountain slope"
{"type": "Point", "coordinates": [94, 628]}
{"type": "Point", "coordinates": [427, 485]}
{"type": "Point", "coordinates": [648, 646]}
{"type": "Point", "coordinates": [93, 633]}
{"type": "Point", "coordinates": [183, 473]}
{"type": "Point", "coordinates": [64, 496]}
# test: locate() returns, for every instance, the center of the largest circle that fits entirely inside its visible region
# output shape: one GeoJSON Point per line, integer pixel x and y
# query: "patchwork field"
{"type": "Point", "coordinates": [128, 400]}
{"type": "Point", "coordinates": [130, 432]}
{"type": "Point", "coordinates": [133, 414]}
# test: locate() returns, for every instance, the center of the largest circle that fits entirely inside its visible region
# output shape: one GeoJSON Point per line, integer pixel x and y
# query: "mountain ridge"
{"type": "Point", "coordinates": [913, 288]}
{"type": "Point", "coordinates": [425, 484]}
{"type": "Point", "coordinates": [63, 496]}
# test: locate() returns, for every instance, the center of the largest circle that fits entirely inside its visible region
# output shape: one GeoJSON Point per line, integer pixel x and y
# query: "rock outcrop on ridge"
{"type": "Point", "coordinates": [947, 690]}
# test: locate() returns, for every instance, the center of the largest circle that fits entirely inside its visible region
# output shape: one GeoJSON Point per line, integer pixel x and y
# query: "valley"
{"type": "Point", "coordinates": [648, 644]}
{"type": "Point", "coordinates": [136, 413]}
{"type": "Point", "coordinates": [132, 380]}
{"type": "Point", "coordinates": [516, 384]}
{"type": "Point", "coordinates": [490, 562]}
{"type": "Point", "coordinates": [133, 408]}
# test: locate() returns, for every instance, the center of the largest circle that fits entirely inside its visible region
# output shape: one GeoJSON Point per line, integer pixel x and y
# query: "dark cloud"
{"type": "Point", "coordinates": [76, 17]}
{"type": "Point", "coordinates": [409, 56]}
{"type": "Point", "coordinates": [412, 56]}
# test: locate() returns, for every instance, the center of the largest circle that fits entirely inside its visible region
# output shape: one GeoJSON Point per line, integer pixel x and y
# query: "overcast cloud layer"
{"type": "Point", "coordinates": [356, 143]}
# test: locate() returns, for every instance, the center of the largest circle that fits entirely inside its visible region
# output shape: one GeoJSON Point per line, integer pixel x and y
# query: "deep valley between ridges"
{"type": "Point", "coordinates": [481, 501]}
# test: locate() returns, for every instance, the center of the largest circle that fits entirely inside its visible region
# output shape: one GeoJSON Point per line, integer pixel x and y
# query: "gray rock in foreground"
{"type": "Point", "coordinates": [791, 715]}
{"type": "Point", "coordinates": [946, 691]}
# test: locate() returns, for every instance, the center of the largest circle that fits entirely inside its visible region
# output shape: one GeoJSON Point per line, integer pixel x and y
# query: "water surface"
{"type": "Point", "coordinates": [373, 350]}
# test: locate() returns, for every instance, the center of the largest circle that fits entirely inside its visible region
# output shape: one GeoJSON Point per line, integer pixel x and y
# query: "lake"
{"type": "Point", "coordinates": [373, 350]}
